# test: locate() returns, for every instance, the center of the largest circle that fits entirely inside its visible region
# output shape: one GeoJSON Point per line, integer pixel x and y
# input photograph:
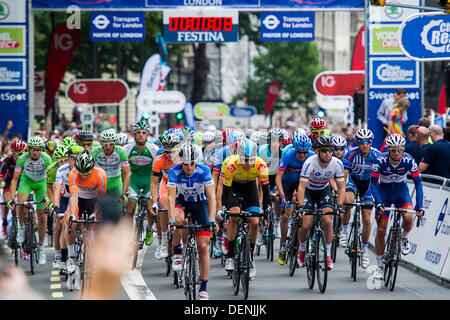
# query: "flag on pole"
{"type": "Point", "coordinates": [272, 94]}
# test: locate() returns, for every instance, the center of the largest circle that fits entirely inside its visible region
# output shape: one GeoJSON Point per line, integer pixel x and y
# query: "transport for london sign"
{"type": "Point", "coordinates": [433, 37]}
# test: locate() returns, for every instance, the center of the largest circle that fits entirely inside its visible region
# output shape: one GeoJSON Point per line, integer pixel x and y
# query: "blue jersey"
{"type": "Point", "coordinates": [291, 166]}
{"type": "Point", "coordinates": [192, 188]}
{"type": "Point", "coordinates": [360, 167]}
{"type": "Point", "coordinates": [220, 156]}
{"type": "Point", "coordinates": [389, 182]}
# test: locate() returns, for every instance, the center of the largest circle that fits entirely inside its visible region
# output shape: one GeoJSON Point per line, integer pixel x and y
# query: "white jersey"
{"type": "Point", "coordinates": [318, 177]}
{"type": "Point", "coordinates": [62, 177]}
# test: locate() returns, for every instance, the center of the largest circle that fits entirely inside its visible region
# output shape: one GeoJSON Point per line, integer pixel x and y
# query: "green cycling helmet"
{"type": "Point", "coordinates": [68, 142]}
{"type": "Point", "coordinates": [75, 149]}
{"type": "Point", "coordinates": [35, 141]}
{"type": "Point", "coordinates": [60, 153]}
{"type": "Point", "coordinates": [141, 125]}
{"type": "Point", "coordinates": [108, 135]}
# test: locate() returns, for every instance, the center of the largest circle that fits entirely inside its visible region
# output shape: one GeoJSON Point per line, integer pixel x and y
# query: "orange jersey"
{"type": "Point", "coordinates": [162, 165]}
{"type": "Point", "coordinates": [89, 188]}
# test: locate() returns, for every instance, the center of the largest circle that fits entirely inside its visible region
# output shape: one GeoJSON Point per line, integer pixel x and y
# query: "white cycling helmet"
{"type": "Point", "coordinates": [339, 141]}
{"type": "Point", "coordinates": [209, 136]}
{"type": "Point", "coordinates": [190, 152]}
{"type": "Point", "coordinates": [364, 134]}
{"type": "Point", "coordinates": [122, 139]}
{"type": "Point", "coordinates": [395, 141]}
{"type": "Point", "coordinates": [297, 133]}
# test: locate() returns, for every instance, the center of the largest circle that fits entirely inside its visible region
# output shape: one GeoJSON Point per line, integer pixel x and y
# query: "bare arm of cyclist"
{"type": "Point", "coordinates": [301, 192]}
{"type": "Point", "coordinates": [171, 194]}
{"type": "Point", "coordinates": [126, 174]}
{"type": "Point", "coordinates": [219, 193]}
{"type": "Point", "coordinates": [154, 180]}
{"type": "Point", "coordinates": [210, 194]}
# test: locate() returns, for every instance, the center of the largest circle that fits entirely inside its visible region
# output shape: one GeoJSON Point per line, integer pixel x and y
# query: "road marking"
{"type": "Point", "coordinates": [55, 272]}
{"type": "Point", "coordinates": [57, 295]}
{"type": "Point", "coordinates": [55, 279]}
{"type": "Point", "coordinates": [55, 286]}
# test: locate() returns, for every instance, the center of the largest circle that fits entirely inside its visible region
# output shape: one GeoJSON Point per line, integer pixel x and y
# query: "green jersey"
{"type": "Point", "coordinates": [141, 162]}
{"type": "Point", "coordinates": [51, 172]}
{"type": "Point", "coordinates": [35, 170]}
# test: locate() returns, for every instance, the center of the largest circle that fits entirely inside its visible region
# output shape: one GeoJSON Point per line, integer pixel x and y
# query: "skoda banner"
{"type": "Point", "coordinates": [14, 72]}
{"type": "Point", "coordinates": [389, 68]}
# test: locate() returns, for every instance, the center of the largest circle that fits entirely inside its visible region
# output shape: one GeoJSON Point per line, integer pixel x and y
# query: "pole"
{"type": "Point", "coordinates": [118, 76]}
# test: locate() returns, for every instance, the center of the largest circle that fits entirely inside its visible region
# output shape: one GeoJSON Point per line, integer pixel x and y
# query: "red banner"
{"type": "Point", "coordinates": [97, 91]}
{"type": "Point", "coordinates": [63, 43]}
{"type": "Point", "coordinates": [272, 94]}
{"type": "Point", "coordinates": [358, 51]}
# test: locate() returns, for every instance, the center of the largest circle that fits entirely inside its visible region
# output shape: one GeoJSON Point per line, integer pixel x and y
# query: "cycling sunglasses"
{"type": "Point", "coordinates": [84, 144]}
{"type": "Point", "coordinates": [318, 131]}
{"type": "Point", "coordinates": [364, 141]}
{"type": "Point", "coordinates": [35, 149]}
{"type": "Point", "coordinates": [396, 150]}
{"type": "Point", "coordinates": [326, 150]}
{"type": "Point", "coordinates": [189, 163]}
{"type": "Point", "coordinates": [141, 132]}
{"type": "Point", "coordinates": [85, 174]}
{"type": "Point", "coordinates": [339, 149]}
{"type": "Point", "coordinates": [302, 152]}
{"type": "Point", "coordinates": [112, 143]}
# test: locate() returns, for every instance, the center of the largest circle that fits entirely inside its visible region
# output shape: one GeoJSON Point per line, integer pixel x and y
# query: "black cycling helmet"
{"type": "Point", "coordinates": [85, 162]}
{"type": "Point", "coordinates": [86, 135]}
{"type": "Point", "coordinates": [324, 141]}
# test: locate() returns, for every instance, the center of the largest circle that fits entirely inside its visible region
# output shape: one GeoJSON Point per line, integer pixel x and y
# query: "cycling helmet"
{"type": "Point", "coordinates": [122, 139]}
{"type": "Point", "coordinates": [235, 145]}
{"type": "Point", "coordinates": [225, 134]}
{"type": "Point", "coordinates": [233, 136]}
{"type": "Point", "coordinates": [177, 132]}
{"type": "Point", "coordinates": [339, 141]}
{"type": "Point", "coordinates": [170, 141]}
{"type": "Point", "coordinates": [364, 134]}
{"type": "Point", "coordinates": [247, 150]}
{"type": "Point", "coordinates": [68, 141]}
{"type": "Point", "coordinates": [285, 139]}
{"type": "Point", "coordinates": [50, 145]}
{"type": "Point", "coordinates": [85, 162]}
{"type": "Point", "coordinates": [190, 153]}
{"type": "Point", "coordinates": [302, 143]}
{"type": "Point", "coordinates": [248, 132]}
{"type": "Point", "coordinates": [61, 152]}
{"type": "Point", "coordinates": [18, 146]}
{"type": "Point", "coordinates": [297, 133]}
{"type": "Point", "coordinates": [258, 136]}
{"type": "Point", "coordinates": [395, 141]}
{"type": "Point", "coordinates": [108, 135]}
{"type": "Point", "coordinates": [318, 124]}
{"type": "Point", "coordinates": [209, 136]}
{"type": "Point", "coordinates": [86, 135]}
{"type": "Point", "coordinates": [275, 133]}
{"type": "Point", "coordinates": [74, 149]}
{"type": "Point", "coordinates": [324, 142]}
{"type": "Point", "coordinates": [141, 125]}
{"type": "Point", "coordinates": [35, 141]}
{"type": "Point", "coordinates": [188, 133]}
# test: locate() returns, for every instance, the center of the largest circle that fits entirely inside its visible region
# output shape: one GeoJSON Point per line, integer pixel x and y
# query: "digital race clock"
{"type": "Point", "coordinates": [200, 24]}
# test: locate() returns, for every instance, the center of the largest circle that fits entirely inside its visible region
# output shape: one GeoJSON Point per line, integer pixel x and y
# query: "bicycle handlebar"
{"type": "Point", "coordinates": [319, 212]}
{"type": "Point", "coordinates": [400, 209]}
{"type": "Point", "coordinates": [192, 226]}
{"type": "Point", "coordinates": [358, 204]}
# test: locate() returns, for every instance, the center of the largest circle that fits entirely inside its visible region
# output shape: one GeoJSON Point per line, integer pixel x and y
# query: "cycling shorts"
{"type": "Point", "coordinates": [399, 197]}
{"type": "Point", "coordinates": [199, 211]}
{"type": "Point", "coordinates": [63, 206]}
{"type": "Point", "coordinates": [362, 186]}
{"type": "Point", "coordinates": [114, 185]}
{"type": "Point", "coordinates": [322, 198]}
{"type": "Point", "coordinates": [26, 185]}
{"type": "Point", "coordinates": [138, 184]}
{"type": "Point", "coordinates": [86, 206]}
{"type": "Point", "coordinates": [289, 189]}
{"type": "Point", "coordinates": [247, 191]}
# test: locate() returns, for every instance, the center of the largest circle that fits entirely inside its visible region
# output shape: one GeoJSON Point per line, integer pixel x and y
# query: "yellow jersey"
{"type": "Point", "coordinates": [232, 170]}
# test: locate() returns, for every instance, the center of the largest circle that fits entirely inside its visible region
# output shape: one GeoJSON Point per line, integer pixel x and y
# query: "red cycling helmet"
{"type": "Point", "coordinates": [318, 124]}
{"type": "Point", "coordinates": [225, 133]}
{"type": "Point", "coordinates": [236, 144]}
{"type": "Point", "coordinates": [18, 146]}
{"type": "Point", "coordinates": [286, 140]}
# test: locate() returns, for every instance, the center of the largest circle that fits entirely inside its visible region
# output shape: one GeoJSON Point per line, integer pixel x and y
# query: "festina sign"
{"type": "Point", "coordinates": [201, 25]}
{"type": "Point", "coordinates": [97, 91]}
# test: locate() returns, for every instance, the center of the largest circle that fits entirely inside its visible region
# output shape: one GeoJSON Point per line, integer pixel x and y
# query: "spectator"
{"type": "Point", "coordinates": [396, 120]}
{"type": "Point", "coordinates": [425, 122]}
{"type": "Point", "coordinates": [437, 156]}
{"type": "Point", "coordinates": [447, 133]}
{"type": "Point", "coordinates": [422, 137]}
{"type": "Point", "coordinates": [413, 147]}
{"type": "Point", "coordinates": [385, 110]}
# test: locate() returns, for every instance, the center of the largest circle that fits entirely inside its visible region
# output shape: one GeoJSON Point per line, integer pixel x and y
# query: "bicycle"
{"type": "Point", "coordinates": [316, 250]}
{"type": "Point", "coordinates": [268, 237]}
{"type": "Point", "coordinates": [292, 243]}
{"type": "Point", "coordinates": [392, 253]}
{"type": "Point", "coordinates": [241, 272]}
{"type": "Point", "coordinates": [354, 247]}
{"type": "Point", "coordinates": [139, 230]}
{"type": "Point", "coordinates": [337, 221]}
{"type": "Point", "coordinates": [82, 252]}
{"type": "Point", "coordinates": [12, 242]}
{"type": "Point", "coordinates": [190, 272]}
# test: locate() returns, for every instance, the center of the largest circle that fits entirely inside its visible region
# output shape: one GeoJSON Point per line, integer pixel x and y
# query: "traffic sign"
{"type": "Point", "coordinates": [338, 83]}
{"type": "Point", "coordinates": [87, 117]}
{"type": "Point", "coordinates": [432, 41]}
{"type": "Point", "coordinates": [242, 112]}
{"type": "Point", "coordinates": [97, 91]}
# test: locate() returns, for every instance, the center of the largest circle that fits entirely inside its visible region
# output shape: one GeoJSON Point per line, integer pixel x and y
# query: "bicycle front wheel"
{"type": "Point", "coordinates": [388, 259]}
{"type": "Point", "coordinates": [30, 244]}
{"type": "Point", "coordinates": [292, 252]}
{"type": "Point", "coordinates": [310, 262]}
{"type": "Point", "coordinates": [335, 242]}
{"type": "Point", "coordinates": [395, 262]}
{"type": "Point", "coordinates": [321, 261]}
{"type": "Point", "coordinates": [353, 254]}
{"type": "Point", "coordinates": [245, 260]}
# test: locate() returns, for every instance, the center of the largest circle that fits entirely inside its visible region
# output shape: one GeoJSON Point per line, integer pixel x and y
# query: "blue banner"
{"type": "Point", "coordinates": [242, 112]}
{"type": "Point", "coordinates": [117, 26]}
{"type": "Point", "coordinates": [287, 26]}
{"type": "Point", "coordinates": [389, 72]}
{"type": "Point", "coordinates": [164, 4]}
{"type": "Point", "coordinates": [432, 41]}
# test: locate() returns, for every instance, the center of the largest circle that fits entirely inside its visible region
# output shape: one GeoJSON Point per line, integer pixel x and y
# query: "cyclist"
{"type": "Point", "coordinates": [85, 139]}
{"type": "Point", "coordinates": [160, 171]}
{"type": "Point", "coordinates": [86, 184]}
{"type": "Point", "coordinates": [340, 145]}
{"type": "Point", "coordinates": [61, 201]}
{"type": "Point", "coordinates": [60, 158]}
{"type": "Point", "coordinates": [317, 127]}
{"type": "Point", "coordinates": [50, 147]}
{"type": "Point", "coordinates": [31, 169]}
{"type": "Point", "coordinates": [238, 178]}
{"type": "Point", "coordinates": [18, 148]}
{"type": "Point", "coordinates": [114, 160]}
{"type": "Point", "coordinates": [209, 137]}
{"type": "Point", "coordinates": [191, 188]}
{"type": "Point", "coordinates": [68, 142]}
{"type": "Point", "coordinates": [122, 139]}
{"type": "Point", "coordinates": [287, 180]}
{"type": "Point", "coordinates": [140, 157]}
{"type": "Point", "coordinates": [358, 171]}
{"type": "Point", "coordinates": [297, 132]}
{"type": "Point", "coordinates": [389, 174]}
{"type": "Point", "coordinates": [314, 188]}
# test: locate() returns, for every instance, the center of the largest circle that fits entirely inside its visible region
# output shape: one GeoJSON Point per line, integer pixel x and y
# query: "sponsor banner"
{"type": "Point", "coordinates": [189, 115]}
{"type": "Point", "coordinates": [392, 13]}
{"type": "Point", "coordinates": [384, 39]}
{"type": "Point", "coordinates": [432, 41]}
{"type": "Point", "coordinates": [117, 26]}
{"type": "Point", "coordinates": [273, 90]}
{"type": "Point", "coordinates": [242, 4]}
{"type": "Point", "coordinates": [338, 83]}
{"type": "Point", "coordinates": [12, 40]}
{"type": "Point", "coordinates": [211, 110]}
{"type": "Point", "coordinates": [201, 26]}
{"type": "Point", "coordinates": [160, 101]}
{"type": "Point", "coordinates": [97, 91]}
{"type": "Point", "coordinates": [12, 11]}
{"type": "Point", "coordinates": [287, 26]}
{"type": "Point", "coordinates": [153, 74]}
{"type": "Point", "coordinates": [358, 59]}
{"type": "Point", "coordinates": [393, 72]}
{"type": "Point", "coordinates": [242, 112]}
{"type": "Point", "coordinates": [12, 74]}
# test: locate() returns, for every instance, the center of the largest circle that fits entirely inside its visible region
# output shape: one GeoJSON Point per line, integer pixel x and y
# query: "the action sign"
{"type": "Point", "coordinates": [338, 83]}
{"type": "Point", "coordinates": [97, 91]}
